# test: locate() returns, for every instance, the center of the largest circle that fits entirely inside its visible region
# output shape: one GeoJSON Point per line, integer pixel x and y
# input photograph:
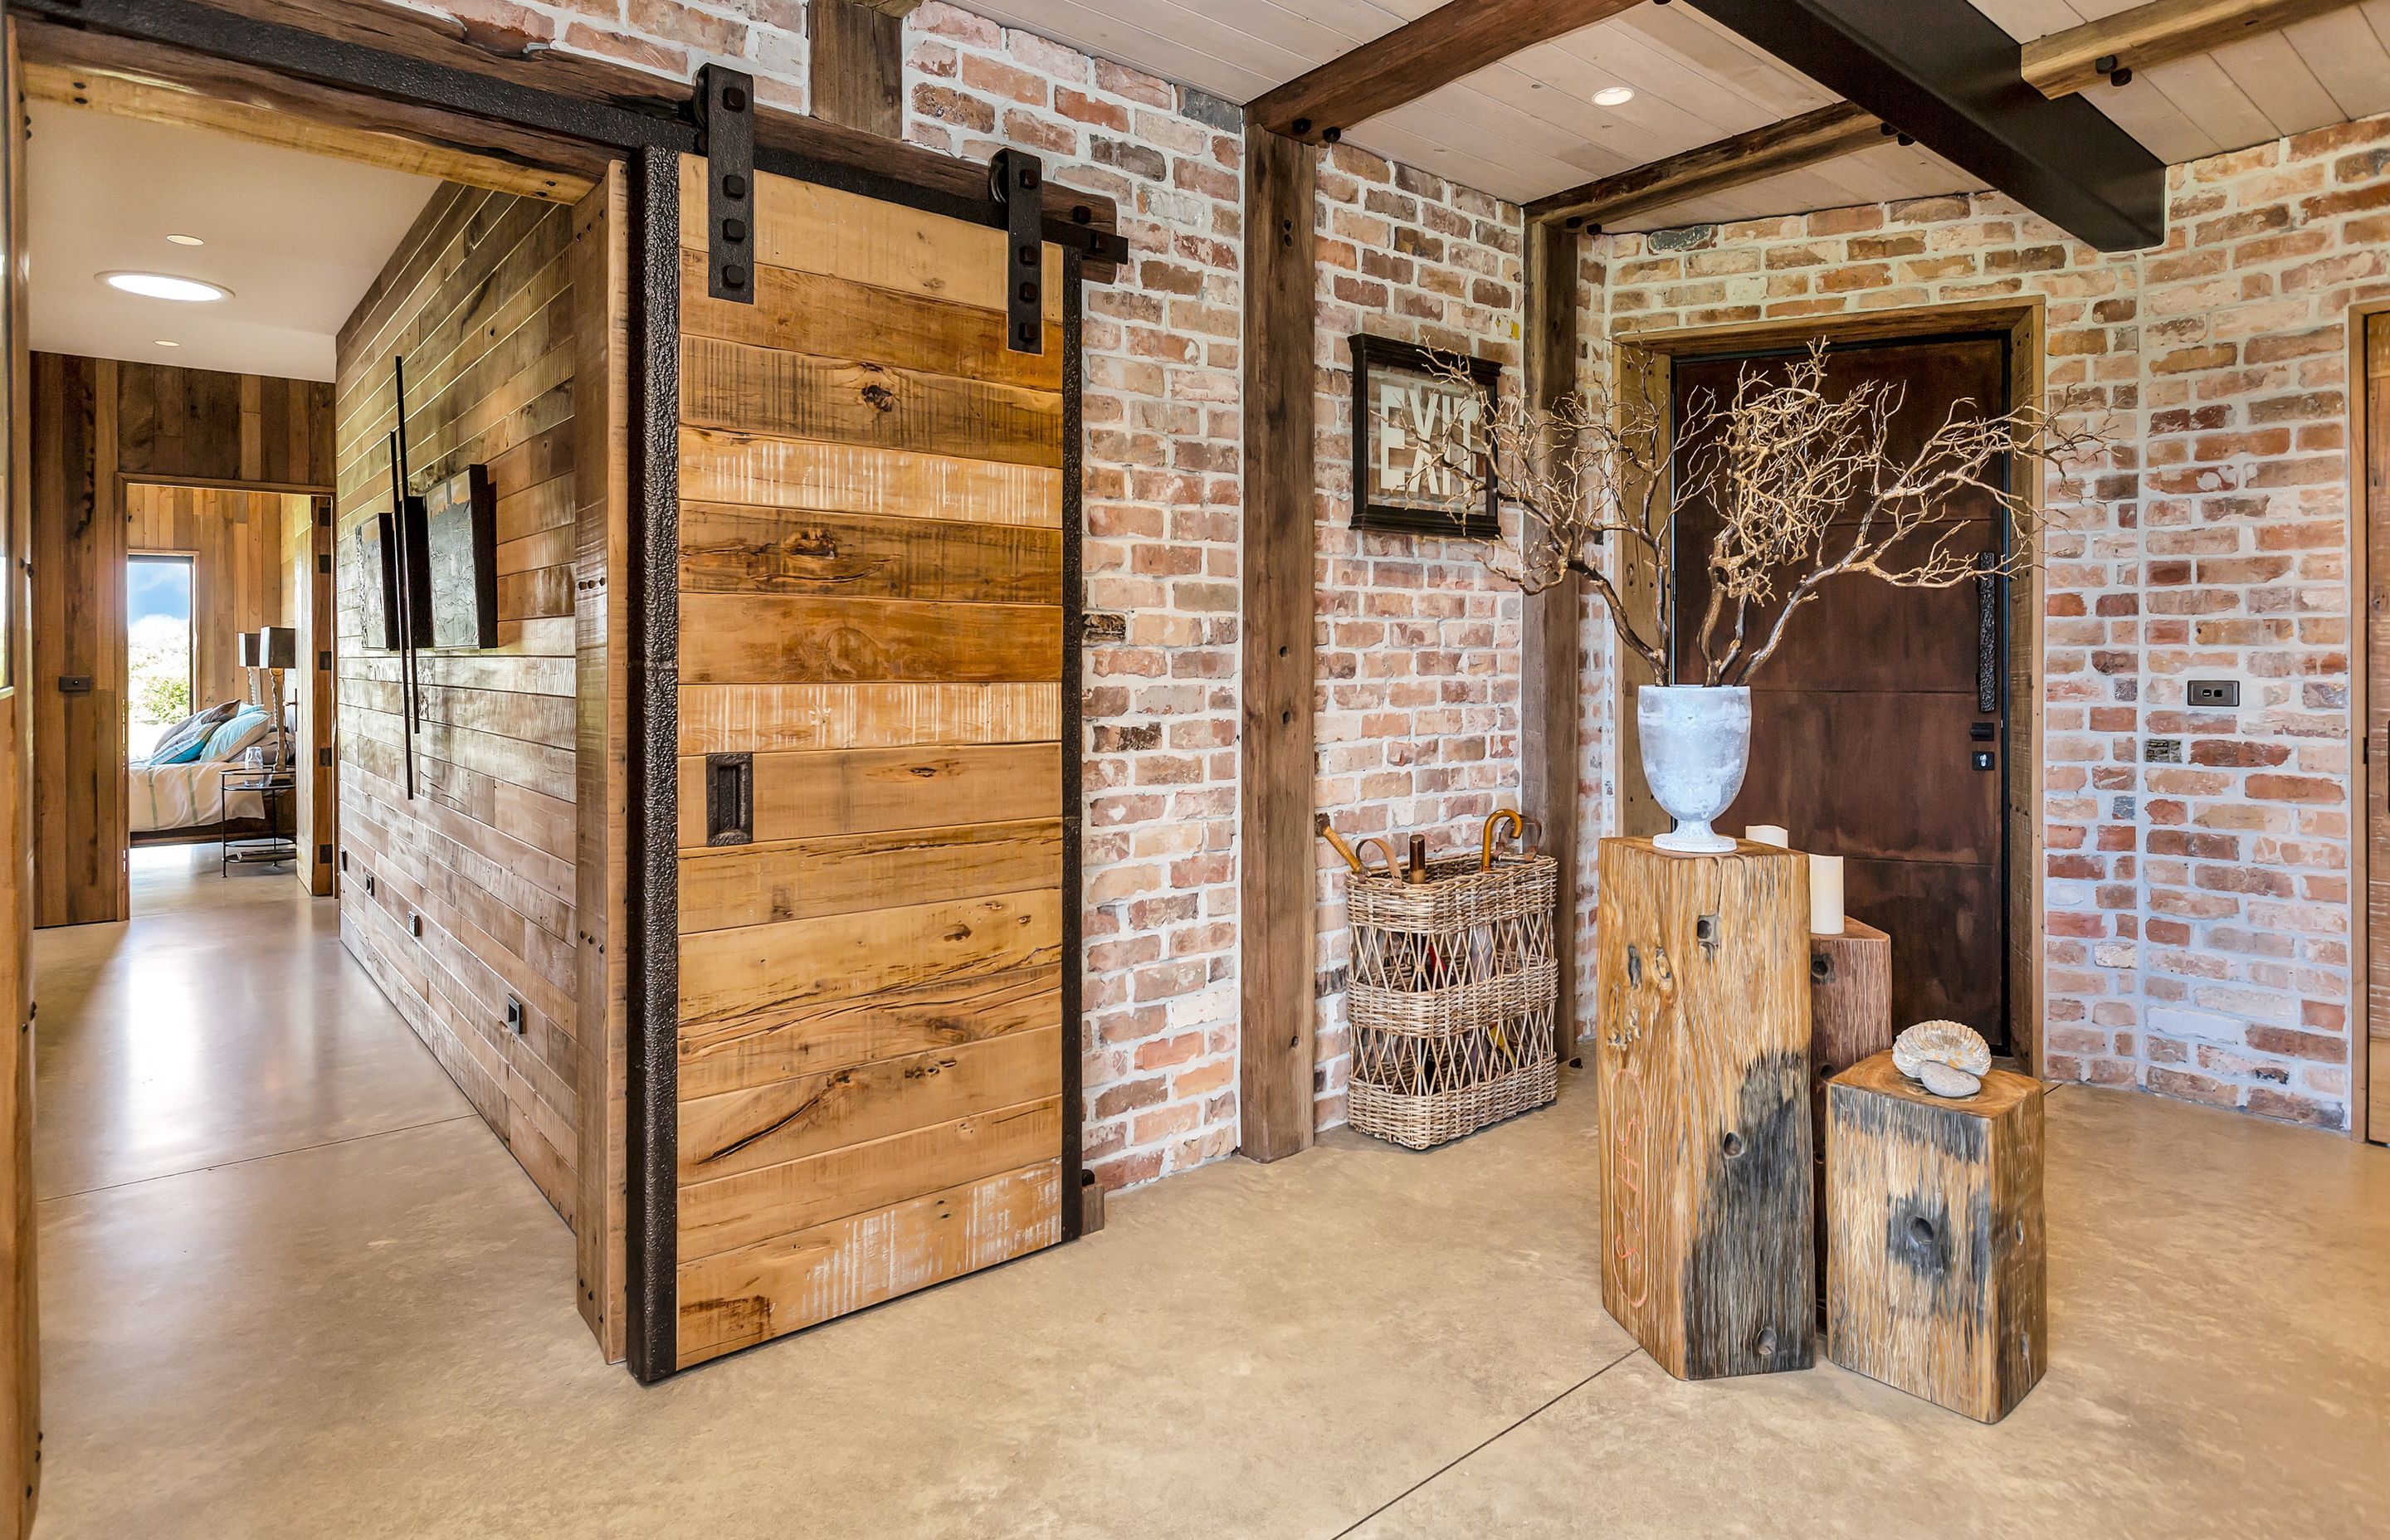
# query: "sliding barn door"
{"type": "Point", "coordinates": [876, 892]}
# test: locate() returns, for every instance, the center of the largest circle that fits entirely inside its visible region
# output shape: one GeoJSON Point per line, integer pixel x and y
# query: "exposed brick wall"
{"type": "Point", "coordinates": [1418, 662]}
{"type": "Point", "coordinates": [2198, 926]}
{"type": "Point", "coordinates": [2198, 923]}
{"type": "Point", "coordinates": [1162, 502]}
{"type": "Point", "coordinates": [669, 38]}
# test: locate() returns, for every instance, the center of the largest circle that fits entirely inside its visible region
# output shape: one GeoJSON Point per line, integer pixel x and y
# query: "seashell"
{"type": "Point", "coordinates": [1944, 1081]}
{"type": "Point", "coordinates": [1952, 1043]}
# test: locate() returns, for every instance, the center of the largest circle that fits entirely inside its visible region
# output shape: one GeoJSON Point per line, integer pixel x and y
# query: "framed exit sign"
{"type": "Point", "coordinates": [1399, 397]}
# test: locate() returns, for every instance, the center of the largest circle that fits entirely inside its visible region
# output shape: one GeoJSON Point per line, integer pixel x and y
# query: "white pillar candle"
{"type": "Point", "coordinates": [1826, 895]}
{"type": "Point", "coordinates": [1768, 834]}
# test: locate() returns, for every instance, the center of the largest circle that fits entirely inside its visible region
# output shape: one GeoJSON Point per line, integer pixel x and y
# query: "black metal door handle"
{"type": "Point", "coordinates": [1988, 636]}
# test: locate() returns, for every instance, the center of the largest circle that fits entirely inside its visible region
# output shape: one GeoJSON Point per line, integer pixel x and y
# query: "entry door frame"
{"type": "Point", "coordinates": [1645, 364]}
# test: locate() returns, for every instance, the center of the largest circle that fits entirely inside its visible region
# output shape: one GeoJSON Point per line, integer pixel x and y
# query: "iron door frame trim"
{"type": "Point", "coordinates": [2371, 767]}
{"type": "Point", "coordinates": [1074, 746]}
{"type": "Point", "coordinates": [651, 873]}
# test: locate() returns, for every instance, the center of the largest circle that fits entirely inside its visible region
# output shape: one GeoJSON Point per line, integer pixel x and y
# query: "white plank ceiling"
{"type": "Point", "coordinates": [2326, 69]}
{"type": "Point", "coordinates": [1528, 126]}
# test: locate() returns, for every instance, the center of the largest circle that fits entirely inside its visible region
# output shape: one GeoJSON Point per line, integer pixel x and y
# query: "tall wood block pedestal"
{"type": "Point", "coordinates": [1703, 1053]}
{"type": "Point", "coordinates": [1934, 1271]}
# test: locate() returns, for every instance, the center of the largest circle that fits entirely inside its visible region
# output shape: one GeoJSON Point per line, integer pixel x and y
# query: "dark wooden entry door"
{"type": "Point", "coordinates": [1869, 739]}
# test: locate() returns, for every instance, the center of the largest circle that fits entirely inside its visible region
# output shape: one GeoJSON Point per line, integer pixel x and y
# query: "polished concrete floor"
{"type": "Point", "coordinates": [292, 1288]}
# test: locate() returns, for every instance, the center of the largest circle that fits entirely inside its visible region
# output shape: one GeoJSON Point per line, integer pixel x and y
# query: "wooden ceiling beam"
{"type": "Point", "coordinates": [1943, 72]}
{"type": "Point", "coordinates": [2080, 58]}
{"type": "Point", "coordinates": [1456, 39]}
{"type": "Point", "coordinates": [130, 79]}
{"type": "Point", "coordinates": [1713, 168]}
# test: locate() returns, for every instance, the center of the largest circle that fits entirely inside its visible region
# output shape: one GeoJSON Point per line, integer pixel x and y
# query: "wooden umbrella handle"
{"type": "Point", "coordinates": [1518, 830]}
{"type": "Point", "coordinates": [1386, 853]}
{"type": "Point", "coordinates": [1327, 832]}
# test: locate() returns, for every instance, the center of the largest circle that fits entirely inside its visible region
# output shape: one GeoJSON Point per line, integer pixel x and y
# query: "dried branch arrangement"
{"type": "Point", "coordinates": [1779, 463]}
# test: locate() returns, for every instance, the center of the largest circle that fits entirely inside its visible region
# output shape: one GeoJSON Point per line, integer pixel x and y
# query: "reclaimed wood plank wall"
{"type": "Point", "coordinates": [871, 1024]}
{"type": "Point", "coordinates": [99, 426]}
{"type": "Point", "coordinates": [478, 300]}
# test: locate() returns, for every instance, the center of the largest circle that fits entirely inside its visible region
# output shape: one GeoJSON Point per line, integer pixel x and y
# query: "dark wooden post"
{"type": "Point", "coordinates": [1276, 865]}
{"type": "Point", "coordinates": [1550, 679]}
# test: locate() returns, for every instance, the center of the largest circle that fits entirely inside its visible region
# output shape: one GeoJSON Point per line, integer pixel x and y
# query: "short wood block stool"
{"type": "Point", "coordinates": [1935, 1271]}
{"type": "Point", "coordinates": [1703, 1054]}
{"type": "Point", "coordinates": [1850, 1016]}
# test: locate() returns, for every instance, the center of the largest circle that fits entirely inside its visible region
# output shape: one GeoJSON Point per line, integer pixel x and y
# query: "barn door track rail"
{"type": "Point", "coordinates": [621, 110]}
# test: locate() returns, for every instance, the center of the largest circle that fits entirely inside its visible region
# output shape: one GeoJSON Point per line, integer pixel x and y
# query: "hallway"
{"type": "Point", "coordinates": [246, 1162]}
{"type": "Point", "coordinates": [294, 1289]}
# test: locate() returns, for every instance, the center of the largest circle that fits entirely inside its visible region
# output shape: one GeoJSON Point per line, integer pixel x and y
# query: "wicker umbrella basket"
{"type": "Point", "coordinates": [1453, 986]}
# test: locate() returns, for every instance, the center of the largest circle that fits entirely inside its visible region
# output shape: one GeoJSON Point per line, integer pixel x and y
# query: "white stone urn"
{"type": "Point", "coordinates": [1696, 746]}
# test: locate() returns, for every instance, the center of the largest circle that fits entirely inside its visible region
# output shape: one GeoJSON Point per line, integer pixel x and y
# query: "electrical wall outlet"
{"type": "Point", "coordinates": [515, 1016]}
{"type": "Point", "coordinates": [2211, 692]}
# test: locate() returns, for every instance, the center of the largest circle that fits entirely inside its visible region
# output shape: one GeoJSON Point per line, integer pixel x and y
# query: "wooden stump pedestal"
{"type": "Point", "coordinates": [1850, 1017]}
{"type": "Point", "coordinates": [1850, 999]}
{"type": "Point", "coordinates": [1934, 1280]}
{"type": "Point", "coordinates": [1703, 1053]}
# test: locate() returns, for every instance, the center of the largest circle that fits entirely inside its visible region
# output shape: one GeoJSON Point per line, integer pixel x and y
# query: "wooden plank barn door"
{"type": "Point", "coordinates": [878, 800]}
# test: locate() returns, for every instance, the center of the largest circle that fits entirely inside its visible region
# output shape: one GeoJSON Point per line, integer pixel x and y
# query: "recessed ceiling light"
{"type": "Point", "coordinates": [187, 240]}
{"type": "Point", "coordinates": [166, 343]}
{"type": "Point", "coordinates": [1614, 96]}
{"type": "Point", "coordinates": [164, 286]}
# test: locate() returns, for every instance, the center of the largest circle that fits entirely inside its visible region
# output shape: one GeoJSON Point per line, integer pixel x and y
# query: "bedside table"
{"type": "Point", "coordinates": [274, 788]}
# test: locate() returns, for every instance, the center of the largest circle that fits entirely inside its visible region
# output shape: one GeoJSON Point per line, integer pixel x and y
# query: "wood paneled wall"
{"type": "Point", "coordinates": [873, 1033]}
{"type": "Point", "coordinates": [235, 541]}
{"type": "Point", "coordinates": [478, 300]}
{"type": "Point", "coordinates": [96, 423]}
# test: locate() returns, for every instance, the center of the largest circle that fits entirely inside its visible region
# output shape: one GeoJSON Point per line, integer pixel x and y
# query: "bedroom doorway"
{"type": "Point", "coordinates": [218, 693]}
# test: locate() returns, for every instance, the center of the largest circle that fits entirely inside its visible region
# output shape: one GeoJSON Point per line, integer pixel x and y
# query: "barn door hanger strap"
{"type": "Point", "coordinates": [1018, 179]}
{"type": "Point", "coordinates": [726, 136]}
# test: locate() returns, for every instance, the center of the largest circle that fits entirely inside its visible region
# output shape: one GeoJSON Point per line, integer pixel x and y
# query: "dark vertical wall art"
{"type": "Point", "coordinates": [460, 554]}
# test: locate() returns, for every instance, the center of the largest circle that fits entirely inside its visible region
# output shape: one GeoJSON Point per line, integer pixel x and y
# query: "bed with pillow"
{"type": "Point", "coordinates": [179, 789]}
